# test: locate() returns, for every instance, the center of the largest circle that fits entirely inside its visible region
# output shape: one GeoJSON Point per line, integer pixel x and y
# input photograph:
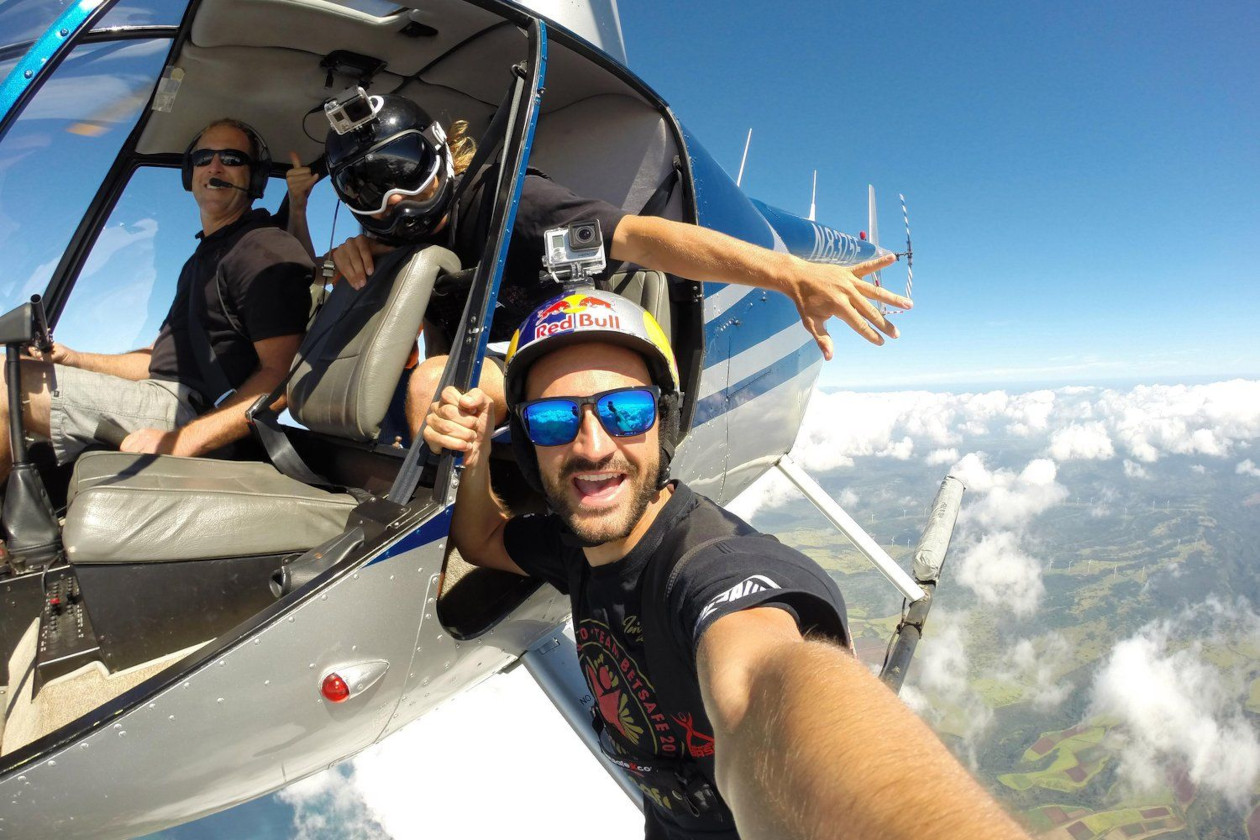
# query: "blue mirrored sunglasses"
{"type": "Point", "coordinates": [623, 412]}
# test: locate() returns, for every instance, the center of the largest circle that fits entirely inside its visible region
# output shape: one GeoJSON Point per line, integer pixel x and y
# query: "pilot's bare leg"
{"type": "Point", "coordinates": [37, 380]}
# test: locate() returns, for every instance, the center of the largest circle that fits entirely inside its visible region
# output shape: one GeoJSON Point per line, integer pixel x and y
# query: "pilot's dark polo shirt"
{"type": "Point", "coordinates": [255, 281]}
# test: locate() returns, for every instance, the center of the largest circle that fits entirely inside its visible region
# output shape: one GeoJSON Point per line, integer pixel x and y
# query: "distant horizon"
{"type": "Point", "coordinates": [1023, 386]}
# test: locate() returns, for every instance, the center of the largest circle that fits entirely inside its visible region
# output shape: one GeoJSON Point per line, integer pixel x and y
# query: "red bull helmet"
{"type": "Point", "coordinates": [589, 315]}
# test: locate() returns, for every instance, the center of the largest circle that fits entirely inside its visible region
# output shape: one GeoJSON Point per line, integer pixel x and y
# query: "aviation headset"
{"type": "Point", "coordinates": [260, 157]}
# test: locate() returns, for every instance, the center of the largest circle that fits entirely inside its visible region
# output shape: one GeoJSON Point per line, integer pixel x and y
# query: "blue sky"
{"type": "Point", "coordinates": [1082, 178]}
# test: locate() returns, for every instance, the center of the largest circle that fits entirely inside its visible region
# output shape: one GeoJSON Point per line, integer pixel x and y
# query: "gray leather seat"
{"type": "Point", "coordinates": [126, 508]}
{"type": "Point", "coordinates": [649, 289]}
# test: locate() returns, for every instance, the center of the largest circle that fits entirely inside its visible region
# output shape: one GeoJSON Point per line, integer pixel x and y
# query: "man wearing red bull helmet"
{"type": "Point", "coordinates": [717, 657]}
{"type": "Point", "coordinates": [395, 173]}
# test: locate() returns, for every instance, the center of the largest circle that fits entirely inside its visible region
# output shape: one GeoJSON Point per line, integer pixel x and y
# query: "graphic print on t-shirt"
{"type": "Point", "coordinates": [625, 698]}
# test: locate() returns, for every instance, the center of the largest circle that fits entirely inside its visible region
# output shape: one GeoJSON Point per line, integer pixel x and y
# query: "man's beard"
{"type": "Point", "coordinates": [611, 525]}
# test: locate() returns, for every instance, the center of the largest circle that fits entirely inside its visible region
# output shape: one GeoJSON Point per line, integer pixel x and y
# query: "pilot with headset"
{"type": "Point", "coordinates": [718, 658]}
{"type": "Point", "coordinates": [395, 168]}
{"type": "Point", "coordinates": [239, 313]}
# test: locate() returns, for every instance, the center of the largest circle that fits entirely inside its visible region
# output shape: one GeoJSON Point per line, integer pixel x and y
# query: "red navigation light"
{"type": "Point", "coordinates": [862, 235]}
{"type": "Point", "coordinates": [334, 689]}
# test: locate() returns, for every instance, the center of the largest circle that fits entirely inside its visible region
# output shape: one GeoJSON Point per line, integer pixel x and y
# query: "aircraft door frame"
{"type": "Point", "coordinates": [469, 346]}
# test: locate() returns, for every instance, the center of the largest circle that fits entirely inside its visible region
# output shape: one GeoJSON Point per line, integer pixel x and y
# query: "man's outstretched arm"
{"type": "Point", "coordinates": [819, 291]}
{"type": "Point", "coordinates": [810, 744]}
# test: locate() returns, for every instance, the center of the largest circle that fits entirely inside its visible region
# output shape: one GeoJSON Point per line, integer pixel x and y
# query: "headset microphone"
{"type": "Point", "coordinates": [219, 182]}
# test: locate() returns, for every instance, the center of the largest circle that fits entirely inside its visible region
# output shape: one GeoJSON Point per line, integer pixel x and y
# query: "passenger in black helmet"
{"type": "Point", "coordinates": [718, 658]}
{"type": "Point", "coordinates": [395, 173]}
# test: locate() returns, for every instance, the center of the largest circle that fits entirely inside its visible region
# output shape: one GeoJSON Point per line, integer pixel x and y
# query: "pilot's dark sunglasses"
{"type": "Point", "coordinates": [229, 157]}
{"type": "Point", "coordinates": [623, 412]}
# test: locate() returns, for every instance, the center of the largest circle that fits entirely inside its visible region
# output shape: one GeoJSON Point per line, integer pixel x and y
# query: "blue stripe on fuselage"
{"type": "Point", "coordinates": [757, 319]}
{"type": "Point", "coordinates": [435, 529]}
{"type": "Point", "coordinates": [756, 385]}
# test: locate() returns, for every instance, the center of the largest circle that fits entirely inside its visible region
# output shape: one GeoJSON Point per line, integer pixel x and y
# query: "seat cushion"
{"type": "Point", "coordinates": [126, 508]}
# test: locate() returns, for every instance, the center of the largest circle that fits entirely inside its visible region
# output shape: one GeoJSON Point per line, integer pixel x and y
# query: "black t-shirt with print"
{"type": "Point", "coordinates": [256, 281]}
{"type": "Point", "coordinates": [544, 205]}
{"type": "Point", "coordinates": [745, 569]}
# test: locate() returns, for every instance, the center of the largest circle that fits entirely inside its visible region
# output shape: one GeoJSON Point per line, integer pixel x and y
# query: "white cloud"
{"type": "Point", "coordinates": [1008, 500]}
{"type": "Point", "coordinates": [939, 687]}
{"type": "Point", "coordinates": [1001, 574]}
{"type": "Point", "coordinates": [431, 778]}
{"type": "Point", "coordinates": [1177, 709]}
{"type": "Point", "coordinates": [1248, 467]}
{"type": "Point", "coordinates": [1035, 664]}
{"type": "Point", "coordinates": [770, 490]}
{"type": "Point", "coordinates": [1082, 441]}
{"type": "Point", "coordinates": [1029, 414]}
{"type": "Point", "coordinates": [1198, 469]}
{"type": "Point", "coordinates": [1132, 469]}
{"type": "Point", "coordinates": [329, 805]}
{"type": "Point", "coordinates": [941, 456]}
{"type": "Point", "coordinates": [1150, 421]}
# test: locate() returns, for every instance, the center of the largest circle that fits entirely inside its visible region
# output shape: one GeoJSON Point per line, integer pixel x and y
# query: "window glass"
{"type": "Point", "coordinates": [379, 8]}
{"type": "Point", "coordinates": [23, 21]}
{"type": "Point", "coordinates": [143, 13]}
{"type": "Point", "coordinates": [128, 280]}
{"type": "Point", "coordinates": [56, 154]}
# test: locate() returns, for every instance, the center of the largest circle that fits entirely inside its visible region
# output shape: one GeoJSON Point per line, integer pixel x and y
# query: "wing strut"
{"type": "Point", "coordinates": [929, 558]}
{"type": "Point", "coordinates": [552, 662]}
{"type": "Point", "coordinates": [861, 540]}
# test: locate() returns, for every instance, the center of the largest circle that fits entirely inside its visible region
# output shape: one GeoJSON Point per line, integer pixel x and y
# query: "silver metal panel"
{"type": "Point", "coordinates": [245, 723]}
{"type": "Point", "coordinates": [767, 429]}
{"type": "Point", "coordinates": [552, 662]}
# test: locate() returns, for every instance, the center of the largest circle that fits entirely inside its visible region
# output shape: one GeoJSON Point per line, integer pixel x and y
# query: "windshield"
{"type": "Point", "coordinates": [142, 13]}
{"type": "Point", "coordinates": [22, 21]}
{"type": "Point", "coordinates": [56, 154]}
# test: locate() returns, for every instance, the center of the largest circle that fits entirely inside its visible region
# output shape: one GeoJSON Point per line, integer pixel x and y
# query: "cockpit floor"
{"type": "Point", "coordinates": [29, 716]}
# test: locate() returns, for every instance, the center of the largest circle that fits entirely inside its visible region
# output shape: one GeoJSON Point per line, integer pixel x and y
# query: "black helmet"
{"type": "Point", "coordinates": [581, 315]}
{"type": "Point", "coordinates": [401, 150]}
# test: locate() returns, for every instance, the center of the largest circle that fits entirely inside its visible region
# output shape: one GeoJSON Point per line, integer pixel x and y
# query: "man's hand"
{"type": "Point", "coordinates": [301, 181]}
{"type": "Point", "coordinates": [462, 423]}
{"type": "Point", "coordinates": [355, 259]}
{"type": "Point", "coordinates": [821, 291]}
{"type": "Point", "coordinates": [60, 355]}
{"type": "Point", "coordinates": [152, 442]}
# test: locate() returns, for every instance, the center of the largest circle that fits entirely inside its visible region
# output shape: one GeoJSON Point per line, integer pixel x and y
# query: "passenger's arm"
{"type": "Point", "coordinates": [464, 423]}
{"type": "Point", "coordinates": [301, 181]}
{"type": "Point", "coordinates": [818, 290]}
{"type": "Point", "coordinates": [807, 740]}
{"type": "Point", "coordinates": [226, 423]}
{"type": "Point", "coordinates": [356, 259]}
{"type": "Point", "coordinates": [133, 365]}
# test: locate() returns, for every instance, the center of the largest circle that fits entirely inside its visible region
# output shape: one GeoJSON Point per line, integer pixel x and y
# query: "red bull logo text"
{"type": "Point", "coordinates": [572, 312]}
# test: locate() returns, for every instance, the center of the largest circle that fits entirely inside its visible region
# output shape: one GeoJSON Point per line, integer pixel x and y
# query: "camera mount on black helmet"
{"type": "Point", "coordinates": [351, 109]}
{"type": "Point", "coordinates": [389, 162]}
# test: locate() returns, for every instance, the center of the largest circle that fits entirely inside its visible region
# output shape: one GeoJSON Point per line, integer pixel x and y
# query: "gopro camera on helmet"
{"type": "Point", "coordinates": [573, 254]}
{"type": "Point", "coordinates": [350, 109]}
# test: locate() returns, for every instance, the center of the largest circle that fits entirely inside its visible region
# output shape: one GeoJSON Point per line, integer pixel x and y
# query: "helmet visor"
{"type": "Point", "coordinates": [406, 164]}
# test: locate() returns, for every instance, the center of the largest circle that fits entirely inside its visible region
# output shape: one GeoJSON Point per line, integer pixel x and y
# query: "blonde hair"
{"type": "Point", "coordinates": [463, 148]}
